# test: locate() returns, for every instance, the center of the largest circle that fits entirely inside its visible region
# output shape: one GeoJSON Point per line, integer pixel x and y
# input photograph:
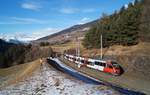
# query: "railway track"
{"type": "Point", "coordinates": [56, 63]}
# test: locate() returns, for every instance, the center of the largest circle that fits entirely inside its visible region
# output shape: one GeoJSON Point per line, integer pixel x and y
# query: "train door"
{"type": "Point", "coordinates": [77, 60]}
{"type": "Point", "coordinates": [99, 66]}
{"type": "Point", "coordinates": [90, 63]}
{"type": "Point", "coordinates": [74, 59]}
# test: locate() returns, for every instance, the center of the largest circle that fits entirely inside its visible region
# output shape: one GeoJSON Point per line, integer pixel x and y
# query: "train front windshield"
{"type": "Point", "coordinates": [115, 65]}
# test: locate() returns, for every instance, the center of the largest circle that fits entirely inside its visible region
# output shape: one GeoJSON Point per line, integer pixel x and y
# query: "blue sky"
{"type": "Point", "coordinates": [32, 19]}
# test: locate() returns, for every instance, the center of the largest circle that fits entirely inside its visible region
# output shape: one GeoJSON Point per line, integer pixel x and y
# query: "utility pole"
{"type": "Point", "coordinates": [78, 47]}
{"type": "Point", "coordinates": [101, 46]}
{"type": "Point", "coordinates": [101, 40]}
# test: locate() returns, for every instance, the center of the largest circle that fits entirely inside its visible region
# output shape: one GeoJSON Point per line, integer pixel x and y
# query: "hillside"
{"type": "Point", "coordinates": [4, 45]}
{"type": "Point", "coordinates": [14, 54]}
{"type": "Point", "coordinates": [67, 34]}
{"type": "Point", "coordinates": [16, 73]}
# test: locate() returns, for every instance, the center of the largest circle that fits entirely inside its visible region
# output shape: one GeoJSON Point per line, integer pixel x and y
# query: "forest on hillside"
{"type": "Point", "coordinates": [14, 54]}
{"type": "Point", "coordinates": [128, 26]}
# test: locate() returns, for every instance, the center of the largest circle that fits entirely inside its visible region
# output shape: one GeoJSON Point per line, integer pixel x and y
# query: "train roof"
{"type": "Point", "coordinates": [93, 60]}
{"type": "Point", "coordinates": [89, 59]}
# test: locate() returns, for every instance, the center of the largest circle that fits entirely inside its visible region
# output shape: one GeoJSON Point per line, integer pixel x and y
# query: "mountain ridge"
{"type": "Point", "coordinates": [67, 32]}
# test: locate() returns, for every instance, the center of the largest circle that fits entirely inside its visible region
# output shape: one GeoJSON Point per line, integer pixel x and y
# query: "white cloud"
{"type": "Point", "coordinates": [44, 32]}
{"type": "Point", "coordinates": [126, 6]}
{"type": "Point", "coordinates": [22, 36]}
{"type": "Point", "coordinates": [88, 10]}
{"type": "Point", "coordinates": [28, 20]}
{"type": "Point", "coordinates": [6, 23]}
{"type": "Point", "coordinates": [20, 20]}
{"type": "Point", "coordinates": [84, 20]}
{"type": "Point", "coordinates": [31, 6]}
{"type": "Point", "coordinates": [69, 10]}
{"type": "Point", "coordinates": [76, 10]}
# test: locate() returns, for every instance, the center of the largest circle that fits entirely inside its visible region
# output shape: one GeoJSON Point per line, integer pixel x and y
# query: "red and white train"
{"type": "Point", "coordinates": [104, 66]}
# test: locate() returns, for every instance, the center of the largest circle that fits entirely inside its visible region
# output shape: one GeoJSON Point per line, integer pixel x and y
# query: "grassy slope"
{"type": "Point", "coordinates": [13, 74]}
{"type": "Point", "coordinates": [140, 49]}
{"type": "Point", "coordinates": [62, 47]}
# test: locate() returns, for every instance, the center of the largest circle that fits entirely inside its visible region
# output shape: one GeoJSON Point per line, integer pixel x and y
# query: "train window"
{"type": "Point", "coordinates": [100, 63]}
{"type": "Point", "coordinates": [103, 64]}
{"type": "Point", "coordinates": [90, 63]}
{"type": "Point", "coordinates": [78, 60]}
{"type": "Point", "coordinates": [97, 63]}
{"type": "Point", "coordinates": [115, 65]}
{"type": "Point", "coordinates": [82, 61]}
{"type": "Point", "coordinates": [74, 59]}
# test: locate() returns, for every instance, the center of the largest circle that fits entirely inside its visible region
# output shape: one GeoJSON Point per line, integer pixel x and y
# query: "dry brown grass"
{"type": "Point", "coordinates": [62, 47]}
{"type": "Point", "coordinates": [140, 49]}
{"type": "Point", "coordinates": [19, 72]}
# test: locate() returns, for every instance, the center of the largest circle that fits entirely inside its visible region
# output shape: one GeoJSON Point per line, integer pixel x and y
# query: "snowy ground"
{"type": "Point", "coordinates": [48, 81]}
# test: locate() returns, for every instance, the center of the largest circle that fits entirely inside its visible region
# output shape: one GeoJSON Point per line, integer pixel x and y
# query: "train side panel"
{"type": "Point", "coordinates": [100, 65]}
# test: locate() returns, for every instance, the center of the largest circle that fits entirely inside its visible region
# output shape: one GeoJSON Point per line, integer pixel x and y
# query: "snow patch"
{"type": "Point", "coordinates": [48, 81]}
